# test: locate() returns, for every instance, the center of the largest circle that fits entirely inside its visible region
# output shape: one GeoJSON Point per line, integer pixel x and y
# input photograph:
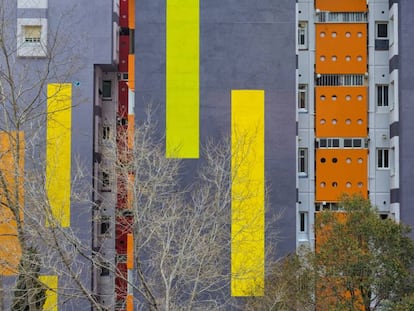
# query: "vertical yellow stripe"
{"type": "Point", "coordinates": [51, 283]}
{"type": "Point", "coordinates": [247, 203]}
{"type": "Point", "coordinates": [58, 151]}
{"type": "Point", "coordinates": [182, 79]}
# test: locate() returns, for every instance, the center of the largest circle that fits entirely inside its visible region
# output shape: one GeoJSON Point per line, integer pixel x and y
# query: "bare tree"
{"type": "Point", "coordinates": [32, 242]}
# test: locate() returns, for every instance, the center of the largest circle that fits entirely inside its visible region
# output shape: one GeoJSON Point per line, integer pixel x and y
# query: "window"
{"type": "Point", "coordinates": [382, 31]}
{"type": "Point", "coordinates": [383, 160]}
{"type": "Point", "coordinates": [328, 143]}
{"type": "Point", "coordinates": [106, 183]}
{"type": "Point", "coordinates": [303, 97]}
{"type": "Point", "coordinates": [303, 161]}
{"type": "Point", "coordinates": [303, 222]}
{"type": "Point", "coordinates": [382, 95]}
{"type": "Point", "coordinates": [32, 33]}
{"type": "Point", "coordinates": [31, 37]}
{"type": "Point", "coordinates": [302, 35]}
{"type": "Point", "coordinates": [107, 89]}
{"type": "Point", "coordinates": [105, 132]}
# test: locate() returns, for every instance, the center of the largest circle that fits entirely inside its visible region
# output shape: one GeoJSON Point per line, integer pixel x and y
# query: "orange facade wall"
{"type": "Point", "coordinates": [341, 5]}
{"type": "Point", "coordinates": [341, 111]}
{"type": "Point", "coordinates": [11, 199]}
{"type": "Point", "coordinates": [340, 171]}
{"type": "Point", "coordinates": [341, 48]}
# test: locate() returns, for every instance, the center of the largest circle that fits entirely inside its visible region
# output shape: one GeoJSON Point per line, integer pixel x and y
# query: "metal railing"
{"type": "Point", "coordinates": [341, 17]}
{"type": "Point", "coordinates": [340, 80]}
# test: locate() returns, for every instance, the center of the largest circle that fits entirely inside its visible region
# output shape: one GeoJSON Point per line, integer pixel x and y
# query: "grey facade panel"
{"type": "Point", "coordinates": [394, 129]}
{"type": "Point", "coordinates": [394, 63]}
{"type": "Point", "coordinates": [31, 13]}
{"type": "Point", "coordinates": [395, 196]}
{"type": "Point", "coordinates": [406, 109]}
{"type": "Point", "coordinates": [243, 45]}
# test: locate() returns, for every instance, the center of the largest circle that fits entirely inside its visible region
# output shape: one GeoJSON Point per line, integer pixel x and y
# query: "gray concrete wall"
{"type": "Point", "coordinates": [406, 96]}
{"type": "Point", "coordinates": [243, 45]}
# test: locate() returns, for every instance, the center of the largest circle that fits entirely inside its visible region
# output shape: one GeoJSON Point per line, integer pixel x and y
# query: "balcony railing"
{"type": "Point", "coordinates": [341, 17]}
{"type": "Point", "coordinates": [340, 80]}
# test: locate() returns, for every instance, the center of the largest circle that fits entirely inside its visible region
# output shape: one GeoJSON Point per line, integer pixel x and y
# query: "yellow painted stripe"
{"type": "Point", "coordinates": [58, 151]}
{"type": "Point", "coordinates": [182, 79]}
{"type": "Point", "coordinates": [12, 147]}
{"type": "Point", "coordinates": [247, 202]}
{"type": "Point", "coordinates": [51, 284]}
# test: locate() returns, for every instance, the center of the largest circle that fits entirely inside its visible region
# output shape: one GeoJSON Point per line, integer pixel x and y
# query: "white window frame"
{"type": "Point", "coordinates": [31, 49]}
{"type": "Point", "coordinates": [302, 97]}
{"type": "Point", "coordinates": [382, 100]}
{"type": "Point", "coordinates": [383, 158]}
{"type": "Point", "coordinates": [376, 31]}
{"type": "Point", "coordinates": [303, 165]}
{"type": "Point", "coordinates": [302, 34]}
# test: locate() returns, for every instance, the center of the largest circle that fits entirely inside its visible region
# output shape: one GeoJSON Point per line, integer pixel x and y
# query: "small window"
{"type": "Point", "coordinates": [347, 143]}
{"type": "Point", "coordinates": [382, 95]}
{"type": "Point", "coordinates": [31, 34]}
{"type": "Point", "coordinates": [302, 35]}
{"type": "Point", "coordinates": [105, 224]}
{"type": "Point", "coordinates": [383, 161]}
{"type": "Point", "coordinates": [107, 89]}
{"type": "Point", "coordinates": [303, 97]}
{"type": "Point", "coordinates": [303, 219]}
{"type": "Point", "coordinates": [382, 30]}
{"type": "Point", "coordinates": [105, 181]}
{"type": "Point", "coordinates": [105, 132]}
{"type": "Point", "coordinates": [303, 161]}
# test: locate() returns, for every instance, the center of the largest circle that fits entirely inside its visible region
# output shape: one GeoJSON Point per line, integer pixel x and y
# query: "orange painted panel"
{"type": "Point", "coordinates": [131, 72]}
{"type": "Point", "coordinates": [341, 48]}
{"type": "Point", "coordinates": [130, 251]}
{"type": "Point", "coordinates": [341, 5]}
{"type": "Point", "coordinates": [130, 303]}
{"type": "Point", "coordinates": [131, 14]}
{"type": "Point", "coordinates": [341, 111]}
{"type": "Point", "coordinates": [12, 146]}
{"type": "Point", "coordinates": [340, 171]}
{"type": "Point", "coordinates": [131, 130]}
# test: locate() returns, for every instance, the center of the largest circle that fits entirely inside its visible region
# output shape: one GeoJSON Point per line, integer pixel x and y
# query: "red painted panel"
{"type": "Point", "coordinates": [123, 13]}
{"type": "Point", "coordinates": [123, 53]}
{"type": "Point", "coordinates": [123, 99]}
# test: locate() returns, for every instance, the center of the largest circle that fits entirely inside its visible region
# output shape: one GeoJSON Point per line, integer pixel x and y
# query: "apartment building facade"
{"type": "Point", "coordinates": [334, 119]}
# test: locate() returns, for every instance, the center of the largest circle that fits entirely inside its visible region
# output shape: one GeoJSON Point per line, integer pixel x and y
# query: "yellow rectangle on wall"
{"type": "Point", "coordinates": [182, 79]}
{"type": "Point", "coordinates": [247, 202]}
{"type": "Point", "coordinates": [58, 151]}
{"type": "Point", "coordinates": [51, 284]}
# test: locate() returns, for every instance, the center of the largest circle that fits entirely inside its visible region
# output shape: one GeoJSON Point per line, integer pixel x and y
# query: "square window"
{"type": "Point", "coordinates": [31, 37]}
{"type": "Point", "coordinates": [32, 33]}
{"type": "Point", "coordinates": [382, 30]}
